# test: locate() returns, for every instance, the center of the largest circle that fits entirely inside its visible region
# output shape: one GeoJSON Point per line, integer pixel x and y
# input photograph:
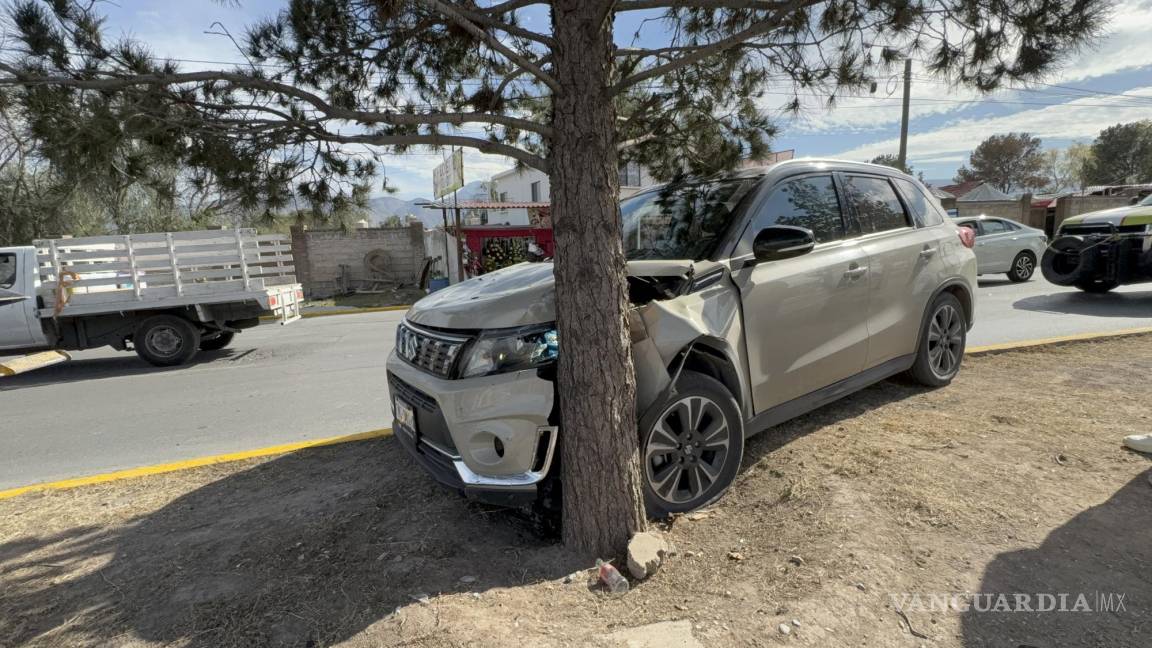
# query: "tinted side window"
{"type": "Point", "coordinates": [7, 270]}
{"type": "Point", "coordinates": [994, 227]}
{"type": "Point", "coordinates": [925, 210]}
{"type": "Point", "coordinates": [877, 207]}
{"type": "Point", "coordinates": [809, 202]}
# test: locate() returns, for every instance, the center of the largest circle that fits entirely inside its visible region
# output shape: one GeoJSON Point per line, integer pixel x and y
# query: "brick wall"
{"type": "Point", "coordinates": [319, 254]}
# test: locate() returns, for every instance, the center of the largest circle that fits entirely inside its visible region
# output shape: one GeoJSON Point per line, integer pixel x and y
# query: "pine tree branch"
{"type": "Point", "coordinates": [643, 5]}
{"type": "Point", "coordinates": [739, 39]}
{"type": "Point", "coordinates": [436, 140]}
{"type": "Point", "coordinates": [493, 42]}
{"type": "Point", "coordinates": [267, 85]}
{"type": "Point", "coordinates": [504, 26]}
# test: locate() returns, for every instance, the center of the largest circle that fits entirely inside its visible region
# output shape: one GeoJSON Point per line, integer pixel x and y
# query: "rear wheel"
{"type": "Point", "coordinates": [1022, 267]}
{"type": "Point", "coordinates": [942, 342]}
{"type": "Point", "coordinates": [219, 342]}
{"type": "Point", "coordinates": [692, 446]}
{"type": "Point", "coordinates": [166, 340]}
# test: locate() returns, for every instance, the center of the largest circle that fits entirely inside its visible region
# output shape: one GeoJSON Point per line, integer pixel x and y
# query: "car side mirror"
{"type": "Point", "coordinates": [779, 242]}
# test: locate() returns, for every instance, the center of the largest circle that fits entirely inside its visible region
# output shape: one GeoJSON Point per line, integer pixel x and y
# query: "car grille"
{"type": "Point", "coordinates": [433, 352]}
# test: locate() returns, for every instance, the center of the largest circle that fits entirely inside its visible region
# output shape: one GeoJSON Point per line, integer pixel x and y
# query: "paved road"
{"type": "Point", "coordinates": [107, 410]}
{"type": "Point", "coordinates": [325, 377]}
{"type": "Point", "coordinates": [1008, 312]}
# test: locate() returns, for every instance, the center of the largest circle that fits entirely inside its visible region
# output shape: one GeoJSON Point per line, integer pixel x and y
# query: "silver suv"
{"type": "Point", "coordinates": [757, 296]}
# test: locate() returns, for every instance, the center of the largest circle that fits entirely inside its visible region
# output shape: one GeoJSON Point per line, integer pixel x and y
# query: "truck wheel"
{"type": "Point", "coordinates": [219, 342]}
{"type": "Point", "coordinates": [691, 445]}
{"type": "Point", "coordinates": [1067, 260]}
{"type": "Point", "coordinates": [1098, 286]}
{"type": "Point", "coordinates": [942, 341]}
{"type": "Point", "coordinates": [166, 340]}
{"type": "Point", "coordinates": [1022, 267]}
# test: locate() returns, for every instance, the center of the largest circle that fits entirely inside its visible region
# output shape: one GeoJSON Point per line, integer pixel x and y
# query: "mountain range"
{"type": "Point", "coordinates": [384, 206]}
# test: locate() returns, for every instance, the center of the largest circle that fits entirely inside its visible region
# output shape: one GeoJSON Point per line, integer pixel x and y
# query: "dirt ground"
{"type": "Point", "coordinates": [390, 295]}
{"type": "Point", "coordinates": [1012, 480]}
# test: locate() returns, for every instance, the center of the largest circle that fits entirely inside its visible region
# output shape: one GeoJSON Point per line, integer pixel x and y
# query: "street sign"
{"type": "Point", "coordinates": [448, 176]}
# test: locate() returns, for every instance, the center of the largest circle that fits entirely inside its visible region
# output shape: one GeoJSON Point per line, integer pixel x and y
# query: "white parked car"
{"type": "Point", "coordinates": [1003, 245]}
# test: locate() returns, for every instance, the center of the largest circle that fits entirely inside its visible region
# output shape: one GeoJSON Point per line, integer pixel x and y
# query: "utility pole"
{"type": "Point", "coordinates": [904, 116]}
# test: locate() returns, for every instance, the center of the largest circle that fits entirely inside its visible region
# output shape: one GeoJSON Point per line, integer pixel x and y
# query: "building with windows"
{"type": "Point", "coordinates": [524, 184]}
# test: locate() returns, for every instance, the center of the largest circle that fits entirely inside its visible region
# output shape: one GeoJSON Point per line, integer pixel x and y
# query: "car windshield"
{"type": "Point", "coordinates": [682, 220]}
{"type": "Point", "coordinates": [1147, 202]}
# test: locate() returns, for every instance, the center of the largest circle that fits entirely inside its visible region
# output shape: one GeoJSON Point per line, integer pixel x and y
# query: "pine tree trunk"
{"type": "Point", "coordinates": [603, 505]}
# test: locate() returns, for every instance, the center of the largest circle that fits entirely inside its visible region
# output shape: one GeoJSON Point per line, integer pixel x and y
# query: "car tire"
{"type": "Point", "coordinates": [219, 342]}
{"type": "Point", "coordinates": [1065, 261]}
{"type": "Point", "coordinates": [1097, 286]}
{"type": "Point", "coordinates": [943, 337]}
{"type": "Point", "coordinates": [166, 340]}
{"type": "Point", "coordinates": [691, 445]}
{"type": "Point", "coordinates": [1023, 267]}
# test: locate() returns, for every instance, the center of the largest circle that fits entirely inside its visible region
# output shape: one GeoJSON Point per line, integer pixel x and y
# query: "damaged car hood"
{"type": "Point", "coordinates": [519, 295]}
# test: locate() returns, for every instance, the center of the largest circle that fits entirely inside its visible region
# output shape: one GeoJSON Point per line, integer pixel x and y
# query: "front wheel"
{"type": "Point", "coordinates": [692, 444]}
{"type": "Point", "coordinates": [1022, 267]}
{"type": "Point", "coordinates": [942, 341]}
{"type": "Point", "coordinates": [166, 340]}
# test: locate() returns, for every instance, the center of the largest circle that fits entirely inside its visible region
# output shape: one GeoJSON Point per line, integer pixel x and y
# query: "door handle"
{"type": "Point", "coordinates": [855, 271]}
{"type": "Point", "coordinates": [927, 253]}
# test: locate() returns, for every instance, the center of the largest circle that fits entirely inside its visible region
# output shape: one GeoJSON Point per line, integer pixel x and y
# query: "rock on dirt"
{"type": "Point", "coordinates": [645, 553]}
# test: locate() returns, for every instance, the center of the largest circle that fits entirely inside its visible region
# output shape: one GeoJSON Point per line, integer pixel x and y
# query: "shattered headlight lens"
{"type": "Point", "coordinates": [505, 351]}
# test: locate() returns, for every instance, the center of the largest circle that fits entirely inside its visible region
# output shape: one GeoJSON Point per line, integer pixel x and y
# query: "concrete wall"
{"type": "Point", "coordinates": [1017, 210]}
{"type": "Point", "coordinates": [319, 254]}
{"type": "Point", "coordinates": [1069, 206]}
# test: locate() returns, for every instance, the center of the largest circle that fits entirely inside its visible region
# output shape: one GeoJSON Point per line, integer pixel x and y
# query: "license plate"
{"type": "Point", "coordinates": [405, 416]}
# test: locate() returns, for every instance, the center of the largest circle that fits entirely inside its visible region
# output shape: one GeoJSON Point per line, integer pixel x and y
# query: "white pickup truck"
{"type": "Point", "coordinates": [165, 295]}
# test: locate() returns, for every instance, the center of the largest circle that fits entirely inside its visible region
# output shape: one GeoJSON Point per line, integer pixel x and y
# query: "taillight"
{"type": "Point", "coordinates": [967, 237]}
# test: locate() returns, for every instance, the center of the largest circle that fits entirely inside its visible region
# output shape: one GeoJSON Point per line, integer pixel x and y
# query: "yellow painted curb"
{"type": "Point", "coordinates": [194, 463]}
{"type": "Point", "coordinates": [1080, 337]}
{"type": "Point", "coordinates": [346, 311]}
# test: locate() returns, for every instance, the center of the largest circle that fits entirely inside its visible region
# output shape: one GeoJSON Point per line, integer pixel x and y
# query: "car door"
{"type": "Point", "coordinates": [995, 246]}
{"type": "Point", "coordinates": [805, 318]}
{"type": "Point", "coordinates": [15, 305]}
{"type": "Point", "coordinates": [905, 264]}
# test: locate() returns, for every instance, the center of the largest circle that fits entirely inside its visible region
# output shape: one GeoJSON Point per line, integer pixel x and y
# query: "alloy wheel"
{"type": "Point", "coordinates": [686, 449]}
{"type": "Point", "coordinates": [945, 341]}
{"type": "Point", "coordinates": [1024, 266]}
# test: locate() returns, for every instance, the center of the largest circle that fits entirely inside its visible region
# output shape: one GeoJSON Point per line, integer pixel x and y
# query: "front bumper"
{"type": "Point", "coordinates": [492, 437]}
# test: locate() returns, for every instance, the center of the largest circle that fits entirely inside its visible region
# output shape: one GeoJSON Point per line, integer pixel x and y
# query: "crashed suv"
{"type": "Point", "coordinates": [1101, 250]}
{"type": "Point", "coordinates": [757, 296]}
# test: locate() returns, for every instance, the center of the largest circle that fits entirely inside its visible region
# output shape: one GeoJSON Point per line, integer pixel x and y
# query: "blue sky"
{"type": "Point", "coordinates": [1105, 85]}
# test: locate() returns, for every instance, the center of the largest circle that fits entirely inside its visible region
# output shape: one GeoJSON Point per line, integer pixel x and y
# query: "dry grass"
{"type": "Point", "coordinates": [1010, 480]}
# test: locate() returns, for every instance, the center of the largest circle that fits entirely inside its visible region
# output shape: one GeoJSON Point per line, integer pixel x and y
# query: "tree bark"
{"type": "Point", "coordinates": [603, 504]}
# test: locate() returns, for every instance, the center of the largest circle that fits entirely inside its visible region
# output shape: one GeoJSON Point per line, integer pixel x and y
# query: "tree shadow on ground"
{"type": "Point", "coordinates": [305, 550]}
{"type": "Point", "coordinates": [1113, 304]}
{"type": "Point", "coordinates": [1106, 550]}
{"type": "Point", "coordinates": [122, 364]}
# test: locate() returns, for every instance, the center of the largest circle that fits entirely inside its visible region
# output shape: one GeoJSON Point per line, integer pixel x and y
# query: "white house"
{"type": "Point", "coordinates": [530, 185]}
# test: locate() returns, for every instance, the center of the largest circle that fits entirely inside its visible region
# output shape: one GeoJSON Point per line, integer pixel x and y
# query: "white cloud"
{"type": "Point", "coordinates": [1081, 118]}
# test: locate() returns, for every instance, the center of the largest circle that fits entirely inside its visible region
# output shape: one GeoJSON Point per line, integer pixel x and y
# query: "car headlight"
{"type": "Point", "coordinates": [525, 348]}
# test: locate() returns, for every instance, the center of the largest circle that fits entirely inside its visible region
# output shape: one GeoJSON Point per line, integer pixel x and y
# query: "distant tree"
{"type": "Point", "coordinates": [569, 95]}
{"type": "Point", "coordinates": [890, 160]}
{"type": "Point", "coordinates": [1122, 154]}
{"type": "Point", "coordinates": [1059, 170]}
{"type": "Point", "coordinates": [1007, 162]}
{"type": "Point", "coordinates": [1080, 158]}
{"type": "Point", "coordinates": [393, 221]}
